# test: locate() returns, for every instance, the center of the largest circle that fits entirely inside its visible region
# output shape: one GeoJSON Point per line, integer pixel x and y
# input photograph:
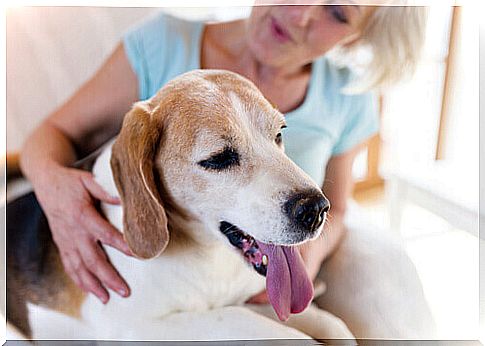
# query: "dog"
{"type": "Point", "coordinates": [211, 207]}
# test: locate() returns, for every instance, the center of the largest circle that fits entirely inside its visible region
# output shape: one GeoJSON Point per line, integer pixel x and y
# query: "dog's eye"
{"type": "Point", "coordinates": [225, 159]}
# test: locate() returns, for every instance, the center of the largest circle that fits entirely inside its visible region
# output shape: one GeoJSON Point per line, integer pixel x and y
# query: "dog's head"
{"type": "Point", "coordinates": [210, 144]}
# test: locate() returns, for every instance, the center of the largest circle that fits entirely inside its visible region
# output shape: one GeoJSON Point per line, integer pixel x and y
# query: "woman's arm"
{"type": "Point", "coordinates": [88, 119]}
{"type": "Point", "coordinates": [338, 188]}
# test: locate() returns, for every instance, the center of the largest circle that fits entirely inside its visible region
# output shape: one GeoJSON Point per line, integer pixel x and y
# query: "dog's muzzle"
{"type": "Point", "coordinates": [307, 211]}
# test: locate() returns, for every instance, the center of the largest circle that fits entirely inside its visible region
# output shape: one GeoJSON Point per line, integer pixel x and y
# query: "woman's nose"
{"type": "Point", "coordinates": [301, 15]}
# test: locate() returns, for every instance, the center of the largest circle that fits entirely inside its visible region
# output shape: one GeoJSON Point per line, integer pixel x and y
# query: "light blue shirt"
{"type": "Point", "coordinates": [327, 123]}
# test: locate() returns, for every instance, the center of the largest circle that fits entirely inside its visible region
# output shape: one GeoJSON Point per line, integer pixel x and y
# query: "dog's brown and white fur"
{"type": "Point", "coordinates": [189, 282]}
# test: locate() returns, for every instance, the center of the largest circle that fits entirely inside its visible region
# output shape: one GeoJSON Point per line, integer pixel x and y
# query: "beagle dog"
{"type": "Point", "coordinates": [212, 208]}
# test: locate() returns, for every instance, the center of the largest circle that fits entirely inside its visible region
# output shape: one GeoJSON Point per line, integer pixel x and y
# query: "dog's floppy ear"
{"type": "Point", "coordinates": [133, 165]}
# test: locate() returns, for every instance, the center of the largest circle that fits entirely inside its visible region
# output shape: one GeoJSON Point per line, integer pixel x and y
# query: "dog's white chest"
{"type": "Point", "coordinates": [188, 281]}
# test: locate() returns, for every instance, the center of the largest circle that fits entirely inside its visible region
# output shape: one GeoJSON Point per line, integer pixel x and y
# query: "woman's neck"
{"type": "Point", "coordinates": [224, 45]}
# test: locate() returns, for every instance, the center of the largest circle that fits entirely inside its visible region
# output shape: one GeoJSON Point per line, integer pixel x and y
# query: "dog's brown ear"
{"type": "Point", "coordinates": [133, 165]}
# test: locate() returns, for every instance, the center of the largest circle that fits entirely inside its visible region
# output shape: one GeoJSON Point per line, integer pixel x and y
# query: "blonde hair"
{"type": "Point", "coordinates": [392, 39]}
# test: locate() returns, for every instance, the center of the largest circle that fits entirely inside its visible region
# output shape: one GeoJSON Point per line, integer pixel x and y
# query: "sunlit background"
{"type": "Point", "coordinates": [430, 165]}
{"type": "Point", "coordinates": [417, 179]}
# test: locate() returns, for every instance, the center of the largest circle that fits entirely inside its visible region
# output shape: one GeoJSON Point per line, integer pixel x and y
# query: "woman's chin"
{"type": "Point", "coordinates": [268, 55]}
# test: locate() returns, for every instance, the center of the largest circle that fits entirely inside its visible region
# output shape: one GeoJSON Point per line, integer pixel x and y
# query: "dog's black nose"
{"type": "Point", "coordinates": [307, 210]}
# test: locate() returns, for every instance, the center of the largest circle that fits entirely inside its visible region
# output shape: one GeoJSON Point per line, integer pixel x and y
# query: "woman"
{"type": "Point", "coordinates": [282, 50]}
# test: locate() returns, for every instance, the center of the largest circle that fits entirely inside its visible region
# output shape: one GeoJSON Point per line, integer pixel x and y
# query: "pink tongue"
{"type": "Point", "coordinates": [289, 288]}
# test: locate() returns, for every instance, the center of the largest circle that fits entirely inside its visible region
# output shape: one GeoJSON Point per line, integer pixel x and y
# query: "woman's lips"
{"type": "Point", "coordinates": [279, 33]}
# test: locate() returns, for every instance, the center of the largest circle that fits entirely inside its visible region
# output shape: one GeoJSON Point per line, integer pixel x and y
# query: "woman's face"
{"type": "Point", "coordinates": [297, 34]}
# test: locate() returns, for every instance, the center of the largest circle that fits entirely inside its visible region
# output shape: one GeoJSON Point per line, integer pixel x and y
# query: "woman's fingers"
{"type": "Point", "coordinates": [77, 226]}
{"type": "Point", "coordinates": [96, 190]}
{"type": "Point", "coordinates": [311, 254]}
{"type": "Point", "coordinates": [97, 263]}
{"type": "Point", "coordinates": [260, 298]}
{"type": "Point", "coordinates": [78, 272]}
{"type": "Point", "coordinates": [103, 231]}
{"type": "Point", "coordinates": [99, 227]}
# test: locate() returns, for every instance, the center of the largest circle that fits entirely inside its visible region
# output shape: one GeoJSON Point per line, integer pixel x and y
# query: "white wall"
{"type": "Point", "coordinates": [50, 53]}
{"type": "Point", "coordinates": [482, 181]}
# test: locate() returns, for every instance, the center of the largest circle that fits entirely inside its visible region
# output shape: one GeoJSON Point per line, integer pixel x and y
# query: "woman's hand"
{"type": "Point", "coordinates": [313, 253]}
{"type": "Point", "coordinates": [68, 200]}
{"type": "Point", "coordinates": [260, 298]}
{"type": "Point", "coordinates": [89, 118]}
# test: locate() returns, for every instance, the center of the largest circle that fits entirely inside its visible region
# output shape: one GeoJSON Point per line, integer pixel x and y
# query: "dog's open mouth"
{"type": "Point", "coordinates": [289, 288]}
{"type": "Point", "coordinates": [247, 244]}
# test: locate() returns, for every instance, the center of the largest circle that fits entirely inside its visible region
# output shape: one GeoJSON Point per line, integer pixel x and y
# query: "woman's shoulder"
{"type": "Point", "coordinates": [333, 76]}
{"type": "Point", "coordinates": [331, 80]}
{"type": "Point", "coordinates": [162, 27]}
{"type": "Point", "coordinates": [161, 47]}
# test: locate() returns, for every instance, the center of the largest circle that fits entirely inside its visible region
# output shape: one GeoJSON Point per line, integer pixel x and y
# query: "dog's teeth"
{"type": "Point", "coordinates": [265, 260]}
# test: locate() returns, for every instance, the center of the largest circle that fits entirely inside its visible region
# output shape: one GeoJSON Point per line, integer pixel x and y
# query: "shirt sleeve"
{"type": "Point", "coordinates": [362, 122]}
{"type": "Point", "coordinates": [144, 48]}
